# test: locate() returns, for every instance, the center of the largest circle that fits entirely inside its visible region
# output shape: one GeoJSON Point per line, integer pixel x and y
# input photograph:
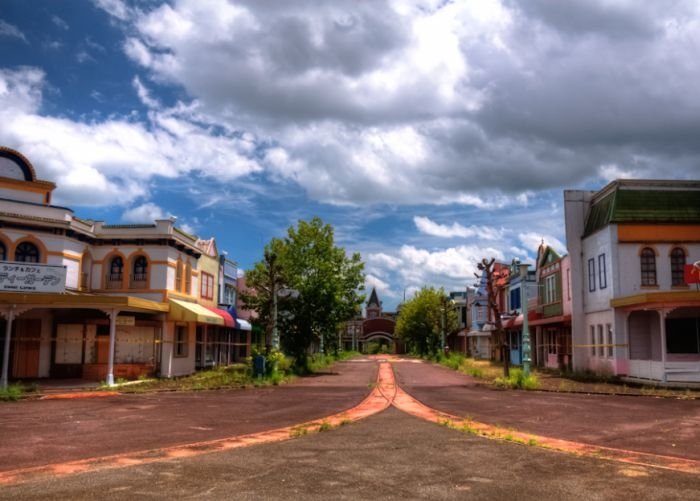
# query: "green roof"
{"type": "Point", "coordinates": [644, 206]}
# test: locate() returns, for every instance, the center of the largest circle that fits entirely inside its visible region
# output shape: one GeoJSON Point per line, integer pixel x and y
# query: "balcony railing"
{"type": "Point", "coordinates": [114, 281]}
{"type": "Point", "coordinates": [139, 281]}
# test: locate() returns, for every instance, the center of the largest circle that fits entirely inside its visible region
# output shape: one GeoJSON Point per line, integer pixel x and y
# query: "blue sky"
{"type": "Point", "coordinates": [429, 133]}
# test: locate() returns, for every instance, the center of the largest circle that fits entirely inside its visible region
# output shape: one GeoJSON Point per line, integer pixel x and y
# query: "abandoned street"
{"type": "Point", "coordinates": [174, 444]}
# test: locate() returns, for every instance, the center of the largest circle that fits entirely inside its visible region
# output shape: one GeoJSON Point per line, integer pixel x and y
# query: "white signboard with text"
{"type": "Point", "coordinates": [31, 277]}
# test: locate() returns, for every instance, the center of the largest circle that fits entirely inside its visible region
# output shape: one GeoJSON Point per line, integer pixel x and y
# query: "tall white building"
{"type": "Point", "coordinates": [635, 313]}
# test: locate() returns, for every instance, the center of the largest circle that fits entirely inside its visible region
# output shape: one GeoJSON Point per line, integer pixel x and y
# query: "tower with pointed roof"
{"type": "Point", "coordinates": [374, 305]}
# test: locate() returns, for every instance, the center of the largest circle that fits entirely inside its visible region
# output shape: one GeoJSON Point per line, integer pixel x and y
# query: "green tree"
{"type": "Point", "coordinates": [420, 322]}
{"type": "Point", "coordinates": [326, 281]}
{"type": "Point", "coordinates": [266, 276]}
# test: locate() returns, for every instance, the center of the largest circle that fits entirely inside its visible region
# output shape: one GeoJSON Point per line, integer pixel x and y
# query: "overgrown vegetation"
{"type": "Point", "coordinates": [518, 380]}
{"type": "Point", "coordinates": [280, 370]}
{"type": "Point", "coordinates": [12, 393]}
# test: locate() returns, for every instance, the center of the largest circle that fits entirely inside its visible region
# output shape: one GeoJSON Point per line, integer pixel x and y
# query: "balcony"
{"type": "Point", "coordinates": [115, 281]}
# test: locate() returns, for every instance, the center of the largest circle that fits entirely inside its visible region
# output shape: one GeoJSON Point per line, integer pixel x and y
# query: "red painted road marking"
{"type": "Point", "coordinates": [410, 405]}
{"type": "Point", "coordinates": [385, 393]}
{"type": "Point", "coordinates": [378, 400]}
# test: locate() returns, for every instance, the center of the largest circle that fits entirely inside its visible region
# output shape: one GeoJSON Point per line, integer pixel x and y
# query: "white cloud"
{"type": "Point", "coordinates": [144, 213]}
{"type": "Point", "coordinates": [112, 161]}
{"type": "Point", "coordinates": [381, 286]}
{"type": "Point", "coordinates": [533, 240]}
{"type": "Point", "coordinates": [60, 22]}
{"type": "Point", "coordinates": [11, 31]}
{"type": "Point", "coordinates": [116, 8]}
{"type": "Point", "coordinates": [429, 227]}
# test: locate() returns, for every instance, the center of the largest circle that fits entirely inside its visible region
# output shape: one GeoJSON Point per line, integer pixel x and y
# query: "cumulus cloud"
{"type": "Point", "coordinates": [144, 213]}
{"type": "Point", "coordinates": [533, 240]}
{"type": "Point", "coordinates": [112, 161]}
{"type": "Point", "coordinates": [422, 102]}
{"type": "Point", "coordinates": [429, 227]}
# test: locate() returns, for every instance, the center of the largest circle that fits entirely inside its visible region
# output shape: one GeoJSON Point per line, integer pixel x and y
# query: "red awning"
{"type": "Point", "coordinates": [228, 319]}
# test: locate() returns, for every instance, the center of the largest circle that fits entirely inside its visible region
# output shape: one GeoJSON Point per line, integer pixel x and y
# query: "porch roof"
{"type": "Point", "coordinates": [83, 300]}
{"type": "Point", "coordinates": [652, 299]}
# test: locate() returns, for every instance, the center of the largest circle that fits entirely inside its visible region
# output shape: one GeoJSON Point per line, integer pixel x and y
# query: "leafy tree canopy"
{"type": "Point", "coordinates": [325, 281]}
{"type": "Point", "coordinates": [420, 322]}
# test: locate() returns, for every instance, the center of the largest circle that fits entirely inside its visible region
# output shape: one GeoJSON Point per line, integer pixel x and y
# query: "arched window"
{"type": "Point", "coordinates": [27, 252]}
{"type": "Point", "coordinates": [139, 277]}
{"type": "Point", "coordinates": [677, 265]}
{"type": "Point", "coordinates": [3, 252]}
{"type": "Point", "coordinates": [648, 264]}
{"type": "Point", "coordinates": [116, 273]}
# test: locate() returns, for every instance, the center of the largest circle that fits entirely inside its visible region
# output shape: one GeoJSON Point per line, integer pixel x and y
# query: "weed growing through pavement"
{"type": "Point", "coordinates": [345, 422]}
{"type": "Point", "coordinates": [325, 426]}
{"type": "Point", "coordinates": [298, 431]}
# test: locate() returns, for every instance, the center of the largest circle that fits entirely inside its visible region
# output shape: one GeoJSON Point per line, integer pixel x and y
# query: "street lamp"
{"type": "Point", "coordinates": [526, 329]}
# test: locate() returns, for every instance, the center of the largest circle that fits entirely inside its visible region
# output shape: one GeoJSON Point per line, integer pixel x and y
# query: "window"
{"type": "Point", "coordinates": [648, 264]}
{"type": "Point", "coordinates": [207, 289]}
{"type": "Point", "coordinates": [591, 275]}
{"type": "Point", "coordinates": [677, 265]}
{"type": "Point", "coordinates": [188, 278]}
{"type": "Point", "coordinates": [140, 274]}
{"type": "Point", "coordinates": [27, 252]}
{"type": "Point", "coordinates": [601, 342]}
{"type": "Point", "coordinates": [683, 335]}
{"type": "Point", "coordinates": [609, 348]}
{"type": "Point", "coordinates": [116, 269]}
{"type": "Point", "coordinates": [181, 341]}
{"type": "Point", "coordinates": [568, 283]}
{"type": "Point", "coordinates": [602, 278]}
{"type": "Point", "coordinates": [550, 289]}
{"type": "Point", "coordinates": [3, 252]}
{"type": "Point", "coordinates": [178, 276]}
{"type": "Point", "coordinates": [592, 340]}
{"type": "Point", "coordinates": [515, 299]}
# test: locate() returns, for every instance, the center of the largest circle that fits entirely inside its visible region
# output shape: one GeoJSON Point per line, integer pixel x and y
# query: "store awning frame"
{"type": "Point", "coordinates": [229, 321]}
{"type": "Point", "coordinates": [185, 311]}
{"type": "Point", "coordinates": [244, 325]}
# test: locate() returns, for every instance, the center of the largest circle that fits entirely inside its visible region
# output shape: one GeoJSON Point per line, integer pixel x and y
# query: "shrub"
{"type": "Point", "coordinates": [518, 380]}
{"type": "Point", "coordinates": [12, 393]}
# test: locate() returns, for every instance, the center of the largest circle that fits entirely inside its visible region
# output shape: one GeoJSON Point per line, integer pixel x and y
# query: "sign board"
{"type": "Point", "coordinates": [31, 277]}
{"type": "Point", "coordinates": [691, 273]}
{"type": "Point", "coordinates": [126, 321]}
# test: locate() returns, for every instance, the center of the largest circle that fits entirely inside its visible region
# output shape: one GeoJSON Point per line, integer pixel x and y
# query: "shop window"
{"type": "Point", "coordinates": [116, 273]}
{"type": "Point", "coordinates": [3, 252]}
{"type": "Point", "coordinates": [609, 347]}
{"type": "Point", "coordinates": [601, 341]}
{"type": "Point", "coordinates": [592, 328]}
{"type": "Point", "coordinates": [647, 260]}
{"type": "Point", "coordinates": [677, 265]}
{"type": "Point", "coordinates": [27, 252]}
{"type": "Point", "coordinates": [207, 288]}
{"type": "Point", "coordinates": [181, 341]}
{"type": "Point", "coordinates": [683, 335]}
{"type": "Point", "coordinates": [139, 277]}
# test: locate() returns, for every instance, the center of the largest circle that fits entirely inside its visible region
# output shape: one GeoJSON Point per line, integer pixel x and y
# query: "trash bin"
{"type": "Point", "coordinates": [259, 366]}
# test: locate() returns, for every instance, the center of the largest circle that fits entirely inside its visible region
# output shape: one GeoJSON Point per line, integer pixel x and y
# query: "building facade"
{"type": "Point", "coordinates": [132, 300]}
{"type": "Point", "coordinates": [635, 313]}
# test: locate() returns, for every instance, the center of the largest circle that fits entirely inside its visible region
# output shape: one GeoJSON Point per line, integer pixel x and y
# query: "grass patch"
{"type": "Point", "coordinates": [12, 393]}
{"type": "Point", "coordinates": [518, 380]}
{"type": "Point", "coordinates": [298, 431]}
{"type": "Point", "coordinates": [325, 426]}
